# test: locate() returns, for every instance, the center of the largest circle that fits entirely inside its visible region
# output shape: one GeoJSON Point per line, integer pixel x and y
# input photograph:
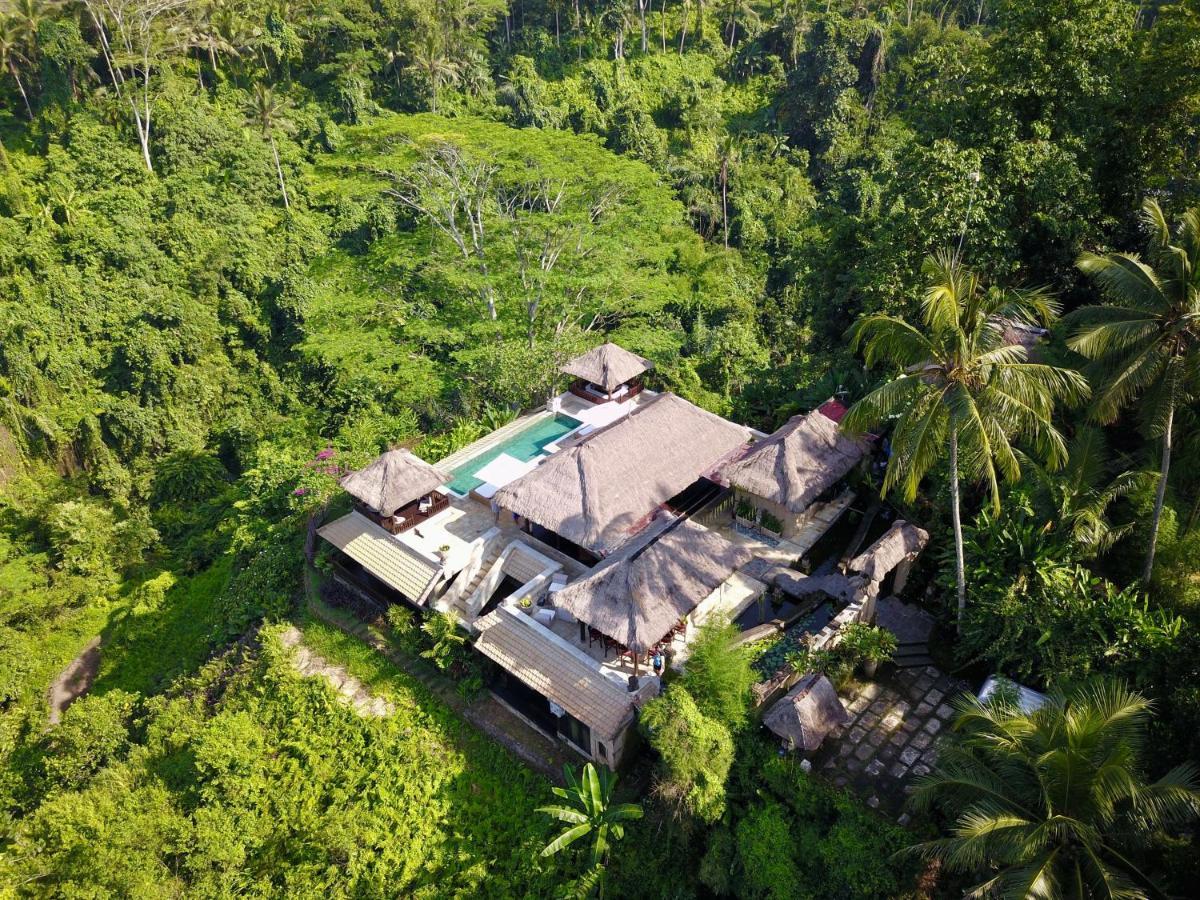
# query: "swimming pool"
{"type": "Point", "coordinates": [524, 445]}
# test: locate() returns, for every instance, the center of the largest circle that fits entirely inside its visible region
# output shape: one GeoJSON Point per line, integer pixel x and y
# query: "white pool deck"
{"type": "Point", "coordinates": [591, 416]}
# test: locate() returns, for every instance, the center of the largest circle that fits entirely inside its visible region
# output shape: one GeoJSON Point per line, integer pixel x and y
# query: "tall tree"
{"type": "Point", "coordinates": [268, 112]}
{"type": "Point", "coordinates": [11, 55]}
{"type": "Point", "coordinates": [963, 390]}
{"type": "Point", "coordinates": [453, 193]}
{"type": "Point", "coordinates": [1051, 803]}
{"type": "Point", "coordinates": [728, 155]}
{"type": "Point", "coordinates": [431, 61]}
{"type": "Point", "coordinates": [1145, 343]}
{"type": "Point", "coordinates": [134, 37]}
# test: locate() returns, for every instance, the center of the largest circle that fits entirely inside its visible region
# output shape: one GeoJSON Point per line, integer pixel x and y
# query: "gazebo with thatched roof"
{"type": "Point", "coordinates": [608, 372]}
{"type": "Point", "coordinates": [794, 466]}
{"type": "Point", "coordinates": [638, 599]}
{"type": "Point", "coordinates": [806, 715]}
{"type": "Point", "coordinates": [398, 490]}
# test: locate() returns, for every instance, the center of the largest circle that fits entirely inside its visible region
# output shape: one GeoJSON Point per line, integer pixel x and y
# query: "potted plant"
{"type": "Point", "coordinates": [770, 524]}
{"type": "Point", "coordinates": [443, 551]}
{"type": "Point", "coordinates": [868, 645]}
{"type": "Point", "coordinates": [525, 602]}
{"type": "Point", "coordinates": [745, 513]}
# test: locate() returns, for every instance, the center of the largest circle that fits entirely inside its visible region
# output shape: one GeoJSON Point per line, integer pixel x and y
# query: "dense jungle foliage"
{"type": "Point", "coordinates": [248, 244]}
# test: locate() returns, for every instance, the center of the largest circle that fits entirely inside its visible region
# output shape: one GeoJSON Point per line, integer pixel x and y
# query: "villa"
{"type": "Point", "coordinates": [584, 539]}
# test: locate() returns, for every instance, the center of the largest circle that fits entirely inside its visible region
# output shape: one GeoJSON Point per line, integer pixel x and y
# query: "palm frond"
{"type": "Point", "coordinates": [1126, 279]}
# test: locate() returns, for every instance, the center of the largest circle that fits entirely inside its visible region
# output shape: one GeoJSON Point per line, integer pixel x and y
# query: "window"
{"type": "Point", "coordinates": [576, 732]}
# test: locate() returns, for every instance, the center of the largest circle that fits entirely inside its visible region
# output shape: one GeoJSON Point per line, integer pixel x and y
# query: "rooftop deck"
{"type": "Point", "coordinates": [457, 526]}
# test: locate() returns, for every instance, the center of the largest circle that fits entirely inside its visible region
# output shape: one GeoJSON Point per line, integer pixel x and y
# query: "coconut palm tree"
{"type": "Point", "coordinates": [964, 392]}
{"type": "Point", "coordinates": [430, 60]}
{"type": "Point", "coordinates": [11, 55]}
{"type": "Point", "coordinates": [591, 812]}
{"type": "Point", "coordinates": [1050, 803]}
{"type": "Point", "coordinates": [1078, 498]}
{"type": "Point", "coordinates": [268, 111]}
{"type": "Point", "coordinates": [728, 156]}
{"type": "Point", "coordinates": [1146, 343]}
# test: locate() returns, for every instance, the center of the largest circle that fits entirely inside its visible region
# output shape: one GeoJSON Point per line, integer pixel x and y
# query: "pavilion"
{"type": "Point", "coordinates": [607, 373]}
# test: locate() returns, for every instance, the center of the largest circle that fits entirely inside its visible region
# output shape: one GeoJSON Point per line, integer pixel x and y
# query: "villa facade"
{"type": "Point", "coordinates": [584, 540]}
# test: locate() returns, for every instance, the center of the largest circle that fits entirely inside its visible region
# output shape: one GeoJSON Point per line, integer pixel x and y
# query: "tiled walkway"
{"type": "Point", "coordinates": [892, 735]}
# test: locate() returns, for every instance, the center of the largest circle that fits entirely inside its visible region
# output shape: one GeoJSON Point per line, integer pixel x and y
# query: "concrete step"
{"type": "Point", "coordinates": [915, 661]}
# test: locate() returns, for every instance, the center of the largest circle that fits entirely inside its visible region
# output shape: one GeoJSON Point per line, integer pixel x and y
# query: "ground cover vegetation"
{"type": "Point", "coordinates": [245, 245]}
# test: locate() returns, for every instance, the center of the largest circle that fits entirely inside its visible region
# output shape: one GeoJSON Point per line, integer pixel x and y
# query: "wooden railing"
{"type": "Point", "coordinates": [579, 389]}
{"type": "Point", "coordinates": [411, 513]}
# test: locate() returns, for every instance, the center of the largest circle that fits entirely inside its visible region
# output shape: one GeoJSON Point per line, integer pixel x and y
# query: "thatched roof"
{"type": "Point", "coordinates": [637, 598]}
{"type": "Point", "coordinates": [899, 543]}
{"type": "Point", "coordinates": [801, 587]}
{"type": "Point", "coordinates": [608, 366]}
{"type": "Point", "coordinates": [797, 463]}
{"type": "Point", "coordinates": [603, 490]}
{"type": "Point", "coordinates": [807, 713]}
{"type": "Point", "coordinates": [395, 478]}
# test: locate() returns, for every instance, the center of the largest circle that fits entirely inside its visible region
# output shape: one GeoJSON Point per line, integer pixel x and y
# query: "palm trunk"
{"type": "Point", "coordinates": [725, 201]}
{"type": "Point", "coordinates": [960, 574]}
{"type": "Point", "coordinates": [1161, 496]}
{"type": "Point", "coordinates": [279, 171]}
{"type": "Point", "coordinates": [21, 87]}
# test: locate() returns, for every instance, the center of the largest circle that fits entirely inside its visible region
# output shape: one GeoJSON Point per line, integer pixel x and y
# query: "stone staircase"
{"type": "Point", "coordinates": [494, 549]}
{"type": "Point", "coordinates": [912, 627]}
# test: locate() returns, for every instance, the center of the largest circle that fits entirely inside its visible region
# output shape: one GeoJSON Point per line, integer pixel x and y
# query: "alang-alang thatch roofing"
{"type": "Point", "coordinates": [807, 714]}
{"type": "Point", "coordinates": [394, 479]}
{"type": "Point", "coordinates": [608, 366]}
{"type": "Point", "coordinates": [600, 492]}
{"type": "Point", "coordinates": [903, 541]}
{"type": "Point", "coordinates": [797, 463]}
{"type": "Point", "coordinates": [636, 600]}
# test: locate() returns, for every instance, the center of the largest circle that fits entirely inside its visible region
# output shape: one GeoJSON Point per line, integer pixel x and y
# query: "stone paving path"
{"type": "Point", "coordinates": [349, 689]}
{"type": "Point", "coordinates": [892, 736]}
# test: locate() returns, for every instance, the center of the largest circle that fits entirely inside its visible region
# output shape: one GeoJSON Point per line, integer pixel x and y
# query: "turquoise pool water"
{"type": "Point", "coordinates": [524, 445]}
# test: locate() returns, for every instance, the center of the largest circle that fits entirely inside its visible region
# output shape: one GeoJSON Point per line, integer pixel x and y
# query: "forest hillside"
{"type": "Point", "coordinates": [227, 277]}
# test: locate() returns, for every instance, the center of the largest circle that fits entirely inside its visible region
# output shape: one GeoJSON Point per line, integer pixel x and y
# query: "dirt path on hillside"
{"type": "Point", "coordinates": [349, 689]}
{"type": "Point", "coordinates": [74, 681]}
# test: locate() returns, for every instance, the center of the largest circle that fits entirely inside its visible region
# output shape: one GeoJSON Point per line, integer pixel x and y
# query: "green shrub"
{"type": "Point", "coordinates": [770, 522]}
{"type": "Point", "coordinates": [867, 643]}
{"type": "Point", "coordinates": [766, 849]}
{"type": "Point", "coordinates": [696, 752]}
{"type": "Point", "coordinates": [718, 674]}
{"type": "Point", "coordinates": [93, 733]}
